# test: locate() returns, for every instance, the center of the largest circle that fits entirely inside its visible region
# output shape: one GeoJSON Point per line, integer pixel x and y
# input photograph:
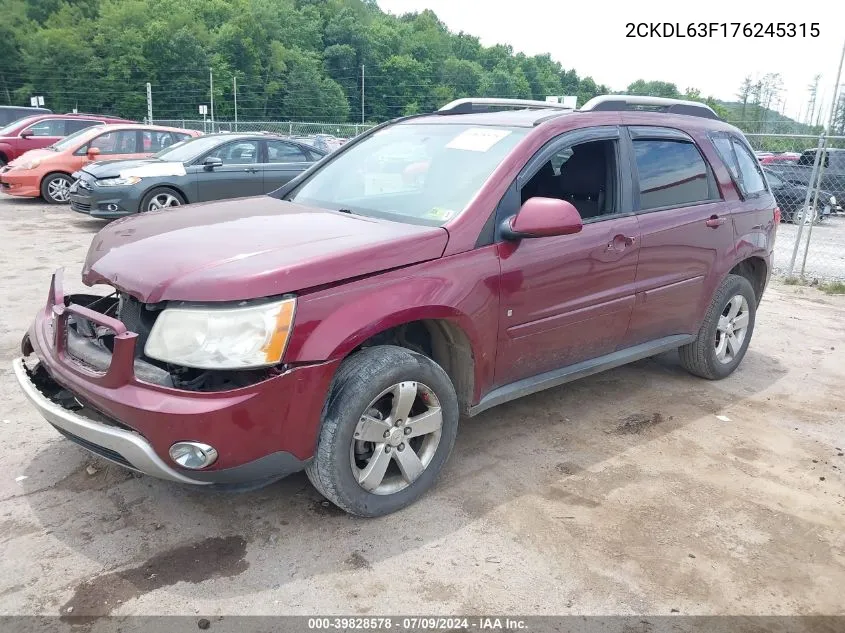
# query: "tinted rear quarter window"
{"type": "Point", "coordinates": [671, 173]}
{"type": "Point", "coordinates": [741, 163]}
{"type": "Point", "coordinates": [751, 177]}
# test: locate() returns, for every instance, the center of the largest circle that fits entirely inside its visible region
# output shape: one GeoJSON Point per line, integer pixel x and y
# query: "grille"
{"type": "Point", "coordinates": [79, 206]}
{"type": "Point", "coordinates": [135, 316]}
{"type": "Point", "coordinates": [102, 451]}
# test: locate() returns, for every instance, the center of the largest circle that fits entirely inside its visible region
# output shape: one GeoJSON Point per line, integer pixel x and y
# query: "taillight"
{"type": "Point", "coordinates": [777, 215]}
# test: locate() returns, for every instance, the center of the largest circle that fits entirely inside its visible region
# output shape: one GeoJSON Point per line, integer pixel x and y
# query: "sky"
{"type": "Point", "coordinates": [590, 36]}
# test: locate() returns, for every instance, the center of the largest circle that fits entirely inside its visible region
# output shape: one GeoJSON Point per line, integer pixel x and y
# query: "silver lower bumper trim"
{"type": "Point", "coordinates": [134, 448]}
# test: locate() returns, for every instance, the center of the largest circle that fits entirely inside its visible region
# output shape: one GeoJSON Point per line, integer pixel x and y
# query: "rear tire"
{"type": "Point", "coordinates": [725, 333]}
{"type": "Point", "coordinates": [160, 198]}
{"type": "Point", "coordinates": [388, 427]}
{"type": "Point", "coordinates": [55, 188]}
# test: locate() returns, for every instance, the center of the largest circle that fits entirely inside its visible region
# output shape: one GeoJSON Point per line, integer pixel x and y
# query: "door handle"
{"type": "Point", "coordinates": [714, 221]}
{"type": "Point", "coordinates": [251, 170]}
{"type": "Point", "coordinates": [621, 242]}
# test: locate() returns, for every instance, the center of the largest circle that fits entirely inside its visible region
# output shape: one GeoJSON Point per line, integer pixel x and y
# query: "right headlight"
{"type": "Point", "coordinates": [222, 338]}
{"type": "Point", "coordinates": [117, 182]}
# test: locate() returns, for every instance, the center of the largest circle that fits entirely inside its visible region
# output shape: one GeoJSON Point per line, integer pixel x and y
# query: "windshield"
{"type": "Point", "coordinates": [423, 174]}
{"type": "Point", "coordinates": [7, 131]}
{"type": "Point", "coordinates": [71, 140]}
{"type": "Point", "coordinates": [189, 149]}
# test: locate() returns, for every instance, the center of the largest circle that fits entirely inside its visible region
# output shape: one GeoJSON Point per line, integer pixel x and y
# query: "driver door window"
{"type": "Point", "coordinates": [584, 175]}
{"type": "Point", "coordinates": [116, 143]}
{"type": "Point", "coordinates": [48, 127]}
{"type": "Point", "coordinates": [239, 153]}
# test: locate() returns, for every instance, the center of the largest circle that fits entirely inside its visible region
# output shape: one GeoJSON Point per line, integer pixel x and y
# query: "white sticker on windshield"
{"type": "Point", "coordinates": [151, 170]}
{"type": "Point", "coordinates": [477, 139]}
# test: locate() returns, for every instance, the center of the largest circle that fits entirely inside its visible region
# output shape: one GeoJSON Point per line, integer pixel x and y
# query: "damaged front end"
{"type": "Point", "coordinates": [95, 331]}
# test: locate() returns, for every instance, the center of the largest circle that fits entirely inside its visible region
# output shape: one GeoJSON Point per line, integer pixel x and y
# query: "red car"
{"type": "Point", "coordinates": [343, 323]}
{"type": "Point", "coordinates": [43, 130]}
{"type": "Point", "coordinates": [782, 158]}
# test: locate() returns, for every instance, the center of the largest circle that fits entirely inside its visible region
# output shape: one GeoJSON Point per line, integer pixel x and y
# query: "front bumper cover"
{"type": "Point", "coordinates": [135, 451]}
{"type": "Point", "coordinates": [263, 431]}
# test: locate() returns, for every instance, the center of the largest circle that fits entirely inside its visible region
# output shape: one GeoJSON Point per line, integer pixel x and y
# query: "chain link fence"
{"type": "Point", "coordinates": [807, 176]}
{"type": "Point", "coordinates": [285, 128]}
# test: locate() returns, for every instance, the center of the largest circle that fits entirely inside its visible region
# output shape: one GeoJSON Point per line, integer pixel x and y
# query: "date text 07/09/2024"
{"type": "Point", "coordinates": [412, 623]}
{"type": "Point", "coordinates": [722, 29]}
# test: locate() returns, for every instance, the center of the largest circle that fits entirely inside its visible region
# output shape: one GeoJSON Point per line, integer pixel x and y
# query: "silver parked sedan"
{"type": "Point", "coordinates": [211, 167]}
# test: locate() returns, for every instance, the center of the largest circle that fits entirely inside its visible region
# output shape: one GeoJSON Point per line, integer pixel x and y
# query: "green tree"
{"type": "Point", "coordinates": [654, 89]}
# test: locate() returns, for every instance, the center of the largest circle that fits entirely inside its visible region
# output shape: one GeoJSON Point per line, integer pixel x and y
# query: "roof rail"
{"type": "Point", "coordinates": [472, 105]}
{"type": "Point", "coordinates": [608, 103]}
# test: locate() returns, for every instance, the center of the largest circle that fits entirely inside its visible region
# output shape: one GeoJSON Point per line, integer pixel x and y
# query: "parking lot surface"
{"type": "Point", "coordinates": [640, 490]}
{"type": "Point", "coordinates": [826, 257]}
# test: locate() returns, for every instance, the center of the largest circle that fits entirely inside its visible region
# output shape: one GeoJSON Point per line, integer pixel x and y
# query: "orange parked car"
{"type": "Point", "coordinates": [47, 172]}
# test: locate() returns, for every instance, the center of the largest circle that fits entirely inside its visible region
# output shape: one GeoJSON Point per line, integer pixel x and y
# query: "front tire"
{"type": "Point", "coordinates": [55, 188]}
{"type": "Point", "coordinates": [725, 333]}
{"type": "Point", "coordinates": [161, 198]}
{"type": "Point", "coordinates": [388, 427]}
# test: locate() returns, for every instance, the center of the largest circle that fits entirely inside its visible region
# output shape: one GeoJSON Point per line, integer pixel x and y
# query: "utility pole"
{"type": "Point", "coordinates": [362, 93]}
{"type": "Point", "coordinates": [211, 87]}
{"type": "Point", "coordinates": [149, 103]}
{"type": "Point", "coordinates": [235, 90]}
{"type": "Point", "coordinates": [834, 102]}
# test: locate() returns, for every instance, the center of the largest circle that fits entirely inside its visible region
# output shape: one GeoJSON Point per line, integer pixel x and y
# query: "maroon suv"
{"type": "Point", "coordinates": [433, 267]}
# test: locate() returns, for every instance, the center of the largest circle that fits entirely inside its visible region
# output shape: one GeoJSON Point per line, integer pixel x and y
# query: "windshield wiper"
{"type": "Point", "coordinates": [349, 211]}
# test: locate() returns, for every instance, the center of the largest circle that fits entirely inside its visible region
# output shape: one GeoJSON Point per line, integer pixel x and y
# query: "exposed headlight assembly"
{"type": "Point", "coordinates": [117, 182]}
{"type": "Point", "coordinates": [222, 338]}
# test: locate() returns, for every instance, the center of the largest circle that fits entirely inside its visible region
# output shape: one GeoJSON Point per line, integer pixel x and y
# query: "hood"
{"type": "Point", "coordinates": [248, 248]}
{"type": "Point", "coordinates": [113, 168]}
{"type": "Point", "coordinates": [32, 154]}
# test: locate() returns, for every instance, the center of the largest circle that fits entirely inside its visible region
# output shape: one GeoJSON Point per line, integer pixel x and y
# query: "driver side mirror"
{"type": "Point", "coordinates": [211, 162]}
{"type": "Point", "coordinates": [93, 153]}
{"type": "Point", "coordinates": [27, 133]}
{"type": "Point", "coordinates": [543, 217]}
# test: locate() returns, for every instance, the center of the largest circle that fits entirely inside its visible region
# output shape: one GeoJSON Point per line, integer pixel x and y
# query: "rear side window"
{"type": "Point", "coordinates": [281, 152]}
{"type": "Point", "coordinates": [671, 173]}
{"type": "Point", "coordinates": [773, 179]}
{"type": "Point", "coordinates": [836, 160]}
{"type": "Point", "coordinates": [154, 141]}
{"type": "Point", "coordinates": [743, 165]}
{"type": "Point", "coordinates": [809, 158]}
{"type": "Point", "coordinates": [72, 125]}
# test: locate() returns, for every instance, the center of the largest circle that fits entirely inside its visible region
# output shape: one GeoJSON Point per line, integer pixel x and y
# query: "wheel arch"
{"type": "Point", "coordinates": [756, 271]}
{"type": "Point", "coordinates": [166, 185]}
{"type": "Point", "coordinates": [441, 339]}
{"type": "Point", "coordinates": [442, 333]}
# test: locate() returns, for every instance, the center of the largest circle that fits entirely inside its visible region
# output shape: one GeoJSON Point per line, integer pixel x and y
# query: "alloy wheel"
{"type": "Point", "coordinates": [162, 201]}
{"type": "Point", "coordinates": [396, 438]}
{"type": "Point", "coordinates": [731, 329]}
{"type": "Point", "coordinates": [59, 189]}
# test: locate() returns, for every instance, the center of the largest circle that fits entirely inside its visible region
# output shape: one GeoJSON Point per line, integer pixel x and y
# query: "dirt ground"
{"type": "Point", "coordinates": [641, 490]}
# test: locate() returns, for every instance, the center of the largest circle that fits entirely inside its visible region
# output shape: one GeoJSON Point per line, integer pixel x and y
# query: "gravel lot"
{"type": "Point", "coordinates": [641, 490]}
{"type": "Point", "coordinates": [826, 257]}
